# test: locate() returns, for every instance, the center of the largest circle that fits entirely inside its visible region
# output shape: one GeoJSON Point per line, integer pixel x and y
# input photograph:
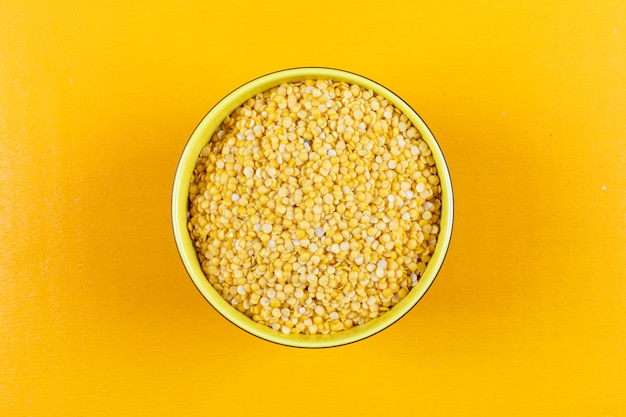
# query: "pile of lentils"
{"type": "Point", "coordinates": [314, 207]}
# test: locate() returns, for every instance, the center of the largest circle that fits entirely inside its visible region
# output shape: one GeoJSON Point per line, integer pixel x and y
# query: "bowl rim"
{"type": "Point", "coordinates": [179, 206]}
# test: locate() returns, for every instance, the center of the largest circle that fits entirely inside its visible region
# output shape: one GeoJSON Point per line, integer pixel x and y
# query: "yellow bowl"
{"type": "Point", "coordinates": [202, 135]}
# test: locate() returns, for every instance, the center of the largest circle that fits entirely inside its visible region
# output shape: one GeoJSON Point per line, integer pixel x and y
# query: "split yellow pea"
{"type": "Point", "coordinates": [314, 207]}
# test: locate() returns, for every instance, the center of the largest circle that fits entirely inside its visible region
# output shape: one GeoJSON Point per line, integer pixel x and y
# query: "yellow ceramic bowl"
{"type": "Point", "coordinates": [187, 162]}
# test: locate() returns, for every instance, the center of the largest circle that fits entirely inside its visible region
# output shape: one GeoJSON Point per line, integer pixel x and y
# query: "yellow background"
{"type": "Point", "coordinates": [97, 314]}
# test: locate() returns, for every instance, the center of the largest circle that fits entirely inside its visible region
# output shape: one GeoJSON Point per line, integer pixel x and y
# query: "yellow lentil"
{"type": "Point", "coordinates": [315, 207]}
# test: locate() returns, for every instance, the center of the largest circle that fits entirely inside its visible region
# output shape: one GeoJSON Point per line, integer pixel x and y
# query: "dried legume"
{"type": "Point", "coordinates": [315, 207]}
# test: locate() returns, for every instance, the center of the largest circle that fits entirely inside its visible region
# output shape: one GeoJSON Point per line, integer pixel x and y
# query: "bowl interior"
{"type": "Point", "coordinates": [202, 135]}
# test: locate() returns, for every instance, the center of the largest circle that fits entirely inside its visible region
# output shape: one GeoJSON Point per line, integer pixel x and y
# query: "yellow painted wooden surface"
{"type": "Point", "coordinates": [528, 102]}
